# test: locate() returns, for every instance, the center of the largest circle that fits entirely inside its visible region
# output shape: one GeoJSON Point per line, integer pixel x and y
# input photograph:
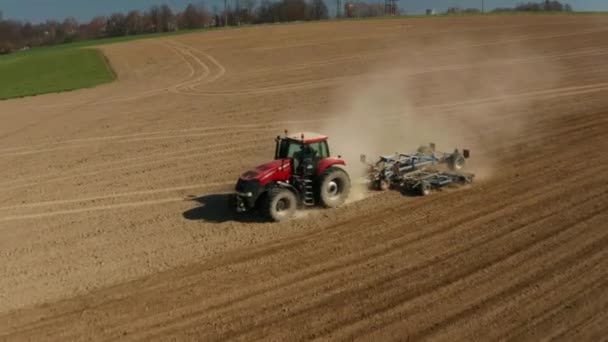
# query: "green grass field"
{"type": "Point", "coordinates": [52, 70]}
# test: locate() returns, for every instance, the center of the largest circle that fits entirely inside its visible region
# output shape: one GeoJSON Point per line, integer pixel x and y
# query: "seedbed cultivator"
{"type": "Point", "coordinates": [419, 172]}
{"type": "Point", "coordinates": [422, 182]}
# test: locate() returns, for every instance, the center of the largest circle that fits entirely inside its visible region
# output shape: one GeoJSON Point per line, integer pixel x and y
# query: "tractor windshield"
{"type": "Point", "coordinates": [287, 148]}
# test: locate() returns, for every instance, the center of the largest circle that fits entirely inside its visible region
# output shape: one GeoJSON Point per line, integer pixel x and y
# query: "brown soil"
{"type": "Point", "coordinates": [113, 207]}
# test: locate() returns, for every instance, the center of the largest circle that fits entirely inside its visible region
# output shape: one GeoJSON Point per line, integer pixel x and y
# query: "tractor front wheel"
{"type": "Point", "coordinates": [279, 204]}
{"type": "Point", "coordinates": [334, 187]}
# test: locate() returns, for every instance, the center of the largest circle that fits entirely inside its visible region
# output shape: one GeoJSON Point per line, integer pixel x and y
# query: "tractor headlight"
{"type": "Point", "coordinates": [245, 194]}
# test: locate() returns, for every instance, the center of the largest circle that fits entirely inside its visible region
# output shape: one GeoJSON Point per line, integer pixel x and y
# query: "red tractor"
{"type": "Point", "coordinates": [301, 174]}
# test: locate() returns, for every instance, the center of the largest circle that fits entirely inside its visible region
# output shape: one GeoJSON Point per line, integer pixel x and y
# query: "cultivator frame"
{"type": "Point", "coordinates": [422, 182]}
{"type": "Point", "coordinates": [419, 172]}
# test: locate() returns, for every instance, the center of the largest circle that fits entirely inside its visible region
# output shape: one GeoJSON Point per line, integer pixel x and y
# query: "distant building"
{"type": "Point", "coordinates": [430, 11]}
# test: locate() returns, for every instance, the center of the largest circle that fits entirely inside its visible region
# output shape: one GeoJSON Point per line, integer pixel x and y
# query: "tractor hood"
{"type": "Point", "coordinates": [279, 169]}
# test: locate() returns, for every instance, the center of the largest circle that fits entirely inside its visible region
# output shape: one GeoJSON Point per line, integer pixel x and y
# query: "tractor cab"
{"type": "Point", "coordinates": [301, 174]}
{"type": "Point", "coordinates": [305, 150]}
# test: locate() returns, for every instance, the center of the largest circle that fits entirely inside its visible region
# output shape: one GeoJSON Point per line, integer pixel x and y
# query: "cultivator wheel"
{"type": "Point", "coordinates": [384, 185]}
{"type": "Point", "coordinates": [456, 162]}
{"type": "Point", "coordinates": [380, 185]}
{"type": "Point", "coordinates": [424, 188]}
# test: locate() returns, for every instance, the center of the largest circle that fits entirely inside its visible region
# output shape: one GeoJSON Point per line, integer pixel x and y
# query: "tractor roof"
{"type": "Point", "coordinates": [309, 137]}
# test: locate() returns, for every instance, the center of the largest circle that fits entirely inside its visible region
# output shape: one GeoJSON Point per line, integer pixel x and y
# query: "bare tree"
{"type": "Point", "coordinates": [544, 6]}
{"type": "Point", "coordinates": [530, 6]}
{"type": "Point", "coordinates": [167, 19]}
{"type": "Point", "coordinates": [154, 18]}
{"type": "Point", "coordinates": [28, 34]}
{"type": "Point", "coordinates": [249, 6]}
{"type": "Point", "coordinates": [70, 25]}
{"type": "Point", "coordinates": [134, 23]}
{"type": "Point", "coordinates": [317, 10]}
{"type": "Point", "coordinates": [554, 6]}
{"type": "Point", "coordinates": [457, 10]}
{"type": "Point", "coordinates": [69, 29]}
{"type": "Point", "coordinates": [295, 10]}
{"type": "Point", "coordinates": [205, 13]}
{"type": "Point", "coordinates": [96, 28]}
{"type": "Point", "coordinates": [116, 25]}
{"type": "Point", "coordinates": [9, 36]}
{"type": "Point", "coordinates": [193, 17]}
{"type": "Point", "coordinates": [264, 12]}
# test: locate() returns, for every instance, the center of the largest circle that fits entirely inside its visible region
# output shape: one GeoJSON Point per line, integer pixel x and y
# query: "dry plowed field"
{"type": "Point", "coordinates": [113, 216]}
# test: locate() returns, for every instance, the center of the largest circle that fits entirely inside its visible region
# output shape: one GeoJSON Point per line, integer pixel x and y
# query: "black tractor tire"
{"type": "Point", "coordinates": [382, 185]}
{"type": "Point", "coordinates": [279, 204]}
{"type": "Point", "coordinates": [231, 202]}
{"type": "Point", "coordinates": [424, 188]}
{"type": "Point", "coordinates": [456, 162]}
{"type": "Point", "coordinates": [333, 188]}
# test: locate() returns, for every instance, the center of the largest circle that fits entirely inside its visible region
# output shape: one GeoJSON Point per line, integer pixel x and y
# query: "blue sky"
{"type": "Point", "coordinates": [39, 10]}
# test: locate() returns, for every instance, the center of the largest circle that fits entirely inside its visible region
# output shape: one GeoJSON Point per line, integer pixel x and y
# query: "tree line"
{"type": "Point", "coordinates": [360, 9]}
{"type": "Point", "coordinates": [547, 5]}
{"type": "Point", "coordinates": [17, 35]}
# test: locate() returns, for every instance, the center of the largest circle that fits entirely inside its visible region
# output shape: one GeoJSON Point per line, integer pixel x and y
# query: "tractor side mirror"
{"type": "Point", "coordinates": [363, 158]}
{"type": "Point", "coordinates": [466, 153]}
{"type": "Point", "coordinates": [432, 146]}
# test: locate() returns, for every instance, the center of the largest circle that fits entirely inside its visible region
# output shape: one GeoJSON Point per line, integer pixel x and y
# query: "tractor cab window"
{"type": "Point", "coordinates": [288, 148]}
{"type": "Point", "coordinates": [320, 150]}
{"type": "Point", "coordinates": [304, 157]}
{"type": "Point", "coordinates": [292, 149]}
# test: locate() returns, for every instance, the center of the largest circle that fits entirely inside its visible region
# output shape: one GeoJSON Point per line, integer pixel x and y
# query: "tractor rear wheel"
{"type": "Point", "coordinates": [334, 187]}
{"type": "Point", "coordinates": [279, 204]}
{"type": "Point", "coordinates": [231, 202]}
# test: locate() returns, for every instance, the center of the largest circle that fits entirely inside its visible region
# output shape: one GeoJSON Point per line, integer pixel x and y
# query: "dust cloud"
{"type": "Point", "coordinates": [463, 100]}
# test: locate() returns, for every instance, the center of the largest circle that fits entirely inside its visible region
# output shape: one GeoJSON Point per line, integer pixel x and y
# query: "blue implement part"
{"type": "Point", "coordinates": [418, 170]}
